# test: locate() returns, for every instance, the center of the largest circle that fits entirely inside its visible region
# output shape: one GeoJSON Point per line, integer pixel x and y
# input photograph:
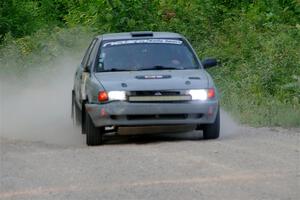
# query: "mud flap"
{"type": "Point", "coordinates": [84, 78]}
{"type": "Point", "coordinates": [72, 106]}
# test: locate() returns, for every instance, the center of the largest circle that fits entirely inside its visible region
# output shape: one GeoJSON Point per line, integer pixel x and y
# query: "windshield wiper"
{"type": "Point", "coordinates": [158, 67]}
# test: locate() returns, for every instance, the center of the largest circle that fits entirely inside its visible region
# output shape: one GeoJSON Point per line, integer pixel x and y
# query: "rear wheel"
{"type": "Point", "coordinates": [94, 134]}
{"type": "Point", "coordinates": [212, 131]}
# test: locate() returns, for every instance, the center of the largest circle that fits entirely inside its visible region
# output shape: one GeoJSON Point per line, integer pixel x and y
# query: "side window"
{"type": "Point", "coordinates": [87, 53]}
{"type": "Point", "coordinates": [93, 54]}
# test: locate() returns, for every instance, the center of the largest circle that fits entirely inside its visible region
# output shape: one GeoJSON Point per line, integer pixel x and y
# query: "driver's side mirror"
{"type": "Point", "coordinates": [210, 62]}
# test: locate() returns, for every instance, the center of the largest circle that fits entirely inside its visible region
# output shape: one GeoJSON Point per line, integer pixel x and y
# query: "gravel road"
{"type": "Point", "coordinates": [245, 163]}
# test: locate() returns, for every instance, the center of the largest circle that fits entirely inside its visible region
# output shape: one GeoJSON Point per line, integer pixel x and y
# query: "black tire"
{"type": "Point", "coordinates": [94, 134]}
{"type": "Point", "coordinates": [212, 131]}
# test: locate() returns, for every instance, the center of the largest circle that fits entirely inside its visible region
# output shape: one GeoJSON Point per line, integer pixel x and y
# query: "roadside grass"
{"type": "Point", "coordinates": [270, 113]}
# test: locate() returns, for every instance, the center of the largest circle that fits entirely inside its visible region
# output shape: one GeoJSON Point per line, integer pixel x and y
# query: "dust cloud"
{"type": "Point", "coordinates": [229, 126]}
{"type": "Point", "coordinates": [37, 106]}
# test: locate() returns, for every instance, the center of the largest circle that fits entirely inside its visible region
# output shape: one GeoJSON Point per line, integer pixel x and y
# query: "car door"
{"type": "Point", "coordinates": [81, 75]}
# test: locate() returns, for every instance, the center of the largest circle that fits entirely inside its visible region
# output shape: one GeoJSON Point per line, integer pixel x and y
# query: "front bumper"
{"type": "Point", "coordinates": [121, 113]}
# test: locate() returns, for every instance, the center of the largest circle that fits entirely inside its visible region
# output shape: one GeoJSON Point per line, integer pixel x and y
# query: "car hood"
{"type": "Point", "coordinates": [153, 80]}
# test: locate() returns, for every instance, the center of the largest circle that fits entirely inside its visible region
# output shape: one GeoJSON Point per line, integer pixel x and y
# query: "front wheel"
{"type": "Point", "coordinates": [212, 131]}
{"type": "Point", "coordinates": [94, 134]}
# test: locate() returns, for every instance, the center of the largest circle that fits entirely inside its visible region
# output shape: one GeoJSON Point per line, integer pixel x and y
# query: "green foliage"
{"type": "Point", "coordinates": [115, 15]}
{"type": "Point", "coordinates": [257, 42]}
{"type": "Point", "coordinates": [18, 17]}
{"type": "Point", "coordinates": [54, 11]}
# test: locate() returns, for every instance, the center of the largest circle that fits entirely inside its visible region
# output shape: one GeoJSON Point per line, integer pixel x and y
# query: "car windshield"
{"type": "Point", "coordinates": [145, 54]}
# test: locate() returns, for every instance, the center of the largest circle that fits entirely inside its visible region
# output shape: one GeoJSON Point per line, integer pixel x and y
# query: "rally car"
{"type": "Point", "coordinates": [144, 83]}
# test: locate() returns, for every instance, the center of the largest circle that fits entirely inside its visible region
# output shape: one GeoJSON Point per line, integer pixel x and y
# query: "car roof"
{"type": "Point", "coordinates": [137, 35]}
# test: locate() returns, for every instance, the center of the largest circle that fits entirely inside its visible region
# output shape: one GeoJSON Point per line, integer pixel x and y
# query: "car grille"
{"type": "Point", "coordinates": [158, 96]}
{"type": "Point", "coordinates": [153, 93]}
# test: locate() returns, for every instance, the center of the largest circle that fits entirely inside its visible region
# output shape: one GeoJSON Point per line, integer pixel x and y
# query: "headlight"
{"type": "Point", "coordinates": [198, 94]}
{"type": "Point", "coordinates": [117, 95]}
{"type": "Point", "coordinates": [202, 94]}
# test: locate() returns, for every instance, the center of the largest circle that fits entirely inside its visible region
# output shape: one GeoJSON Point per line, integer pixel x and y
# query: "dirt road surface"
{"type": "Point", "coordinates": [245, 163]}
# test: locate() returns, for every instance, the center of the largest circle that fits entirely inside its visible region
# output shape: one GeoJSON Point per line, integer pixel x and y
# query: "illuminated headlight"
{"type": "Point", "coordinates": [117, 95]}
{"type": "Point", "coordinates": [202, 94]}
{"type": "Point", "coordinates": [198, 94]}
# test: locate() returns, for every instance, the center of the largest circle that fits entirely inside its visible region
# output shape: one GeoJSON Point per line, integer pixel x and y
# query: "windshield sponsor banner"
{"type": "Point", "coordinates": [145, 41]}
